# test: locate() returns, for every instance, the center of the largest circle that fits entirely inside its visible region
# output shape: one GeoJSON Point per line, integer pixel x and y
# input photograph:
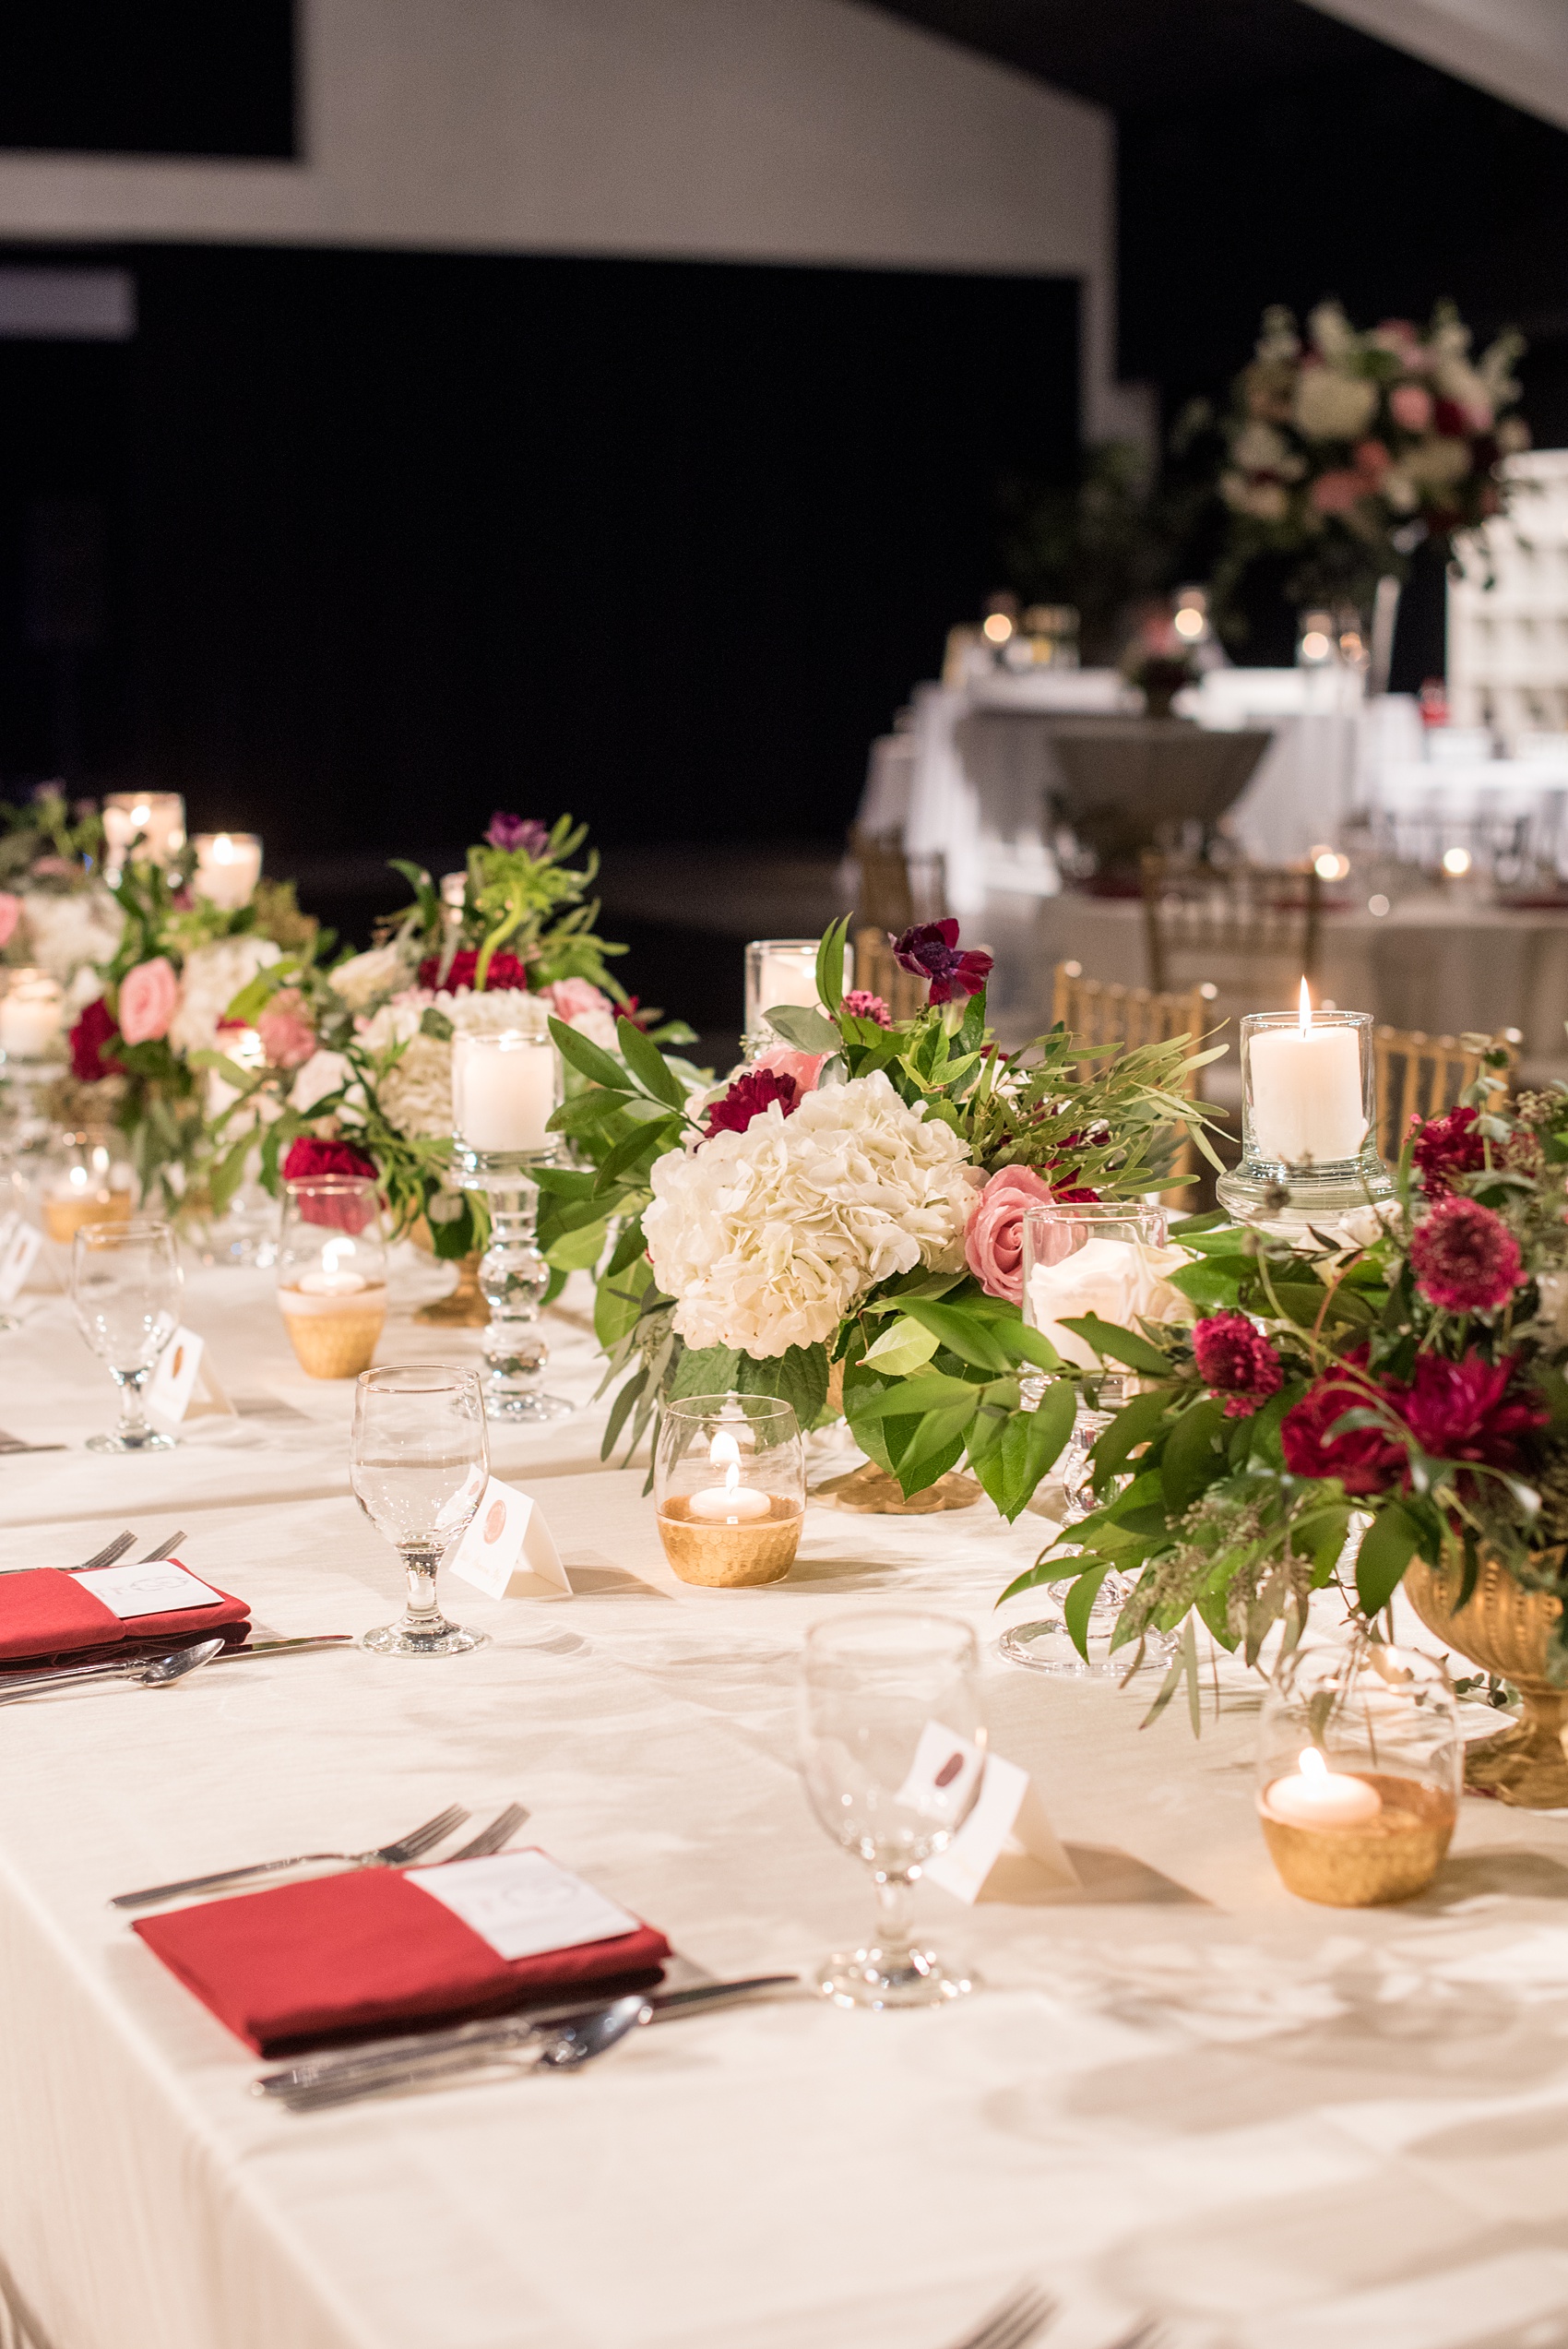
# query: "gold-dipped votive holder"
{"type": "Point", "coordinates": [1389, 1857]}
{"type": "Point", "coordinates": [334, 1337]}
{"type": "Point", "coordinates": [66, 1212]}
{"type": "Point", "coordinates": [729, 1554]}
{"type": "Point", "coordinates": [332, 1274]}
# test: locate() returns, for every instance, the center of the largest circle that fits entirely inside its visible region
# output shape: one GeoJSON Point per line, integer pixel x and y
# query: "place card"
{"type": "Point", "coordinates": [523, 1903]}
{"type": "Point", "coordinates": [943, 1773]}
{"type": "Point", "coordinates": [161, 1588]}
{"type": "Point", "coordinates": [509, 1552]}
{"type": "Point", "coordinates": [1007, 1849]}
{"type": "Point", "coordinates": [19, 1244]}
{"type": "Point", "coordinates": [184, 1368]}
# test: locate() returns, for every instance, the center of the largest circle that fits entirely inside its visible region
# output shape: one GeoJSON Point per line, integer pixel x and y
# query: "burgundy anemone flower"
{"type": "Point", "coordinates": [1236, 1361]}
{"type": "Point", "coordinates": [91, 1038]}
{"type": "Point", "coordinates": [1465, 1257]}
{"type": "Point", "coordinates": [747, 1098]}
{"type": "Point", "coordinates": [929, 952]}
{"type": "Point", "coordinates": [511, 833]}
{"type": "Point", "coordinates": [1443, 1147]}
{"type": "Point", "coordinates": [1364, 1458]}
{"type": "Point", "coordinates": [504, 971]}
{"type": "Point", "coordinates": [1461, 1410]}
{"type": "Point", "coordinates": [860, 1004]}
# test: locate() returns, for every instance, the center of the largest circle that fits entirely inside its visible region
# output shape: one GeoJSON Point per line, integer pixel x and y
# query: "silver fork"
{"type": "Point", "coordinates": [490, 1839]}
{"type": "Point", "coordinates": [1021, 2317]}
{"type": "Point", "coordinates": [106, 1556]}
{"type": "Point", "coordinates": [164, 1550]}
{"type": "Point", "coordinates": [411, 1846]}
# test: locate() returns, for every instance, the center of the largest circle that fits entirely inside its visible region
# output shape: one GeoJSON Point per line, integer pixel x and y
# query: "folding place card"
{"type": "Point", "coordinates": [185, 1385]}
{"type": "Point", "coordinates": [509, 1552]}
{"type": "Point", "coordinates": [522, 1903]}
{"type": "Point", "coordinates": [162, 1588]}
{"type": "Point", "coordinates": [19, 1244]}
{"type": "Point", "coordinates": [1007, 1848]}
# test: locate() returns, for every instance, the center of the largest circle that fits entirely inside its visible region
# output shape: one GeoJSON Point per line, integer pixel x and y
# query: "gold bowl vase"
{"type": "Point", "coordinates": [462, 1307]}
{"type": "Point", "coordinates": [1505, 1629]}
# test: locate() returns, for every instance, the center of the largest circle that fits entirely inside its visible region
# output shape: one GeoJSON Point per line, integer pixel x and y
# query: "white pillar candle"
{"type": "Point", "coordinates": [29, 1016]}
{"type": "Point", "coordinates": [1318, 1797]}
{"type": "Point", "coordinates": [228, 868]}
{"type": "Point", "coordinates": [502, 1092]}
{"type": "Point", "coordinates": [1306, 1099]}
{"type": "Point", "coordinates": [788, 975]}
{"type": "Point", "coordinates": [158, 817]}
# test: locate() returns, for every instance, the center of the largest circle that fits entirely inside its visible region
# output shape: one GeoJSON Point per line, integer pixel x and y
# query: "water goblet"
{"type": "Point", "coordinates": [419, 1466]}
{"type": "Point", "coordinates": [893, 1744]}
{"type": "Point", "coordinates": [125, 1286]}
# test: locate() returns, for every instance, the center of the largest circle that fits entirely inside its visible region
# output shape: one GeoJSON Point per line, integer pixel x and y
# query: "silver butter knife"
{"type": "Point", "coordinates": [495, 2034]}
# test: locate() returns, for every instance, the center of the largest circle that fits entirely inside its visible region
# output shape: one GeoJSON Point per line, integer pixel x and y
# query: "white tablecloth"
{"type": "Point", "coordinates": [1278, 2127]}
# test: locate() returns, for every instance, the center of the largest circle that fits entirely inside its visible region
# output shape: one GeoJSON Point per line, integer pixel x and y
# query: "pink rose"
{"type": "Point", "coordinates": [582, 1005]}
{"type": "Point", "coordinates": [1336, 493]}
{"type": "Point", "coordinates": [287, 1037]}
{"type": "Point", "coordinates": [10, 914]}
{"type": "Point", "coordinates": [1372, 460]}
{"type": "Point", "coordinates": [150, 996]}
{"type": "Point", "coordinates": [1409, 404]}
{"type": "Point", "coordinates": [804, 1066]}
{"type": "Point", "coordinates": [994, 1237]}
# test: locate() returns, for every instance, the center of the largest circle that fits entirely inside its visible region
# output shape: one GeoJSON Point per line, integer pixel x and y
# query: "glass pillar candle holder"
{"type": "Point", "coordinates": [32, 1018]}
{"type": "Point", "coordinates": [1308, 1119]}
{"type": "Point", "coordinates": [730, 1488]}
{"type": "Point", "coordinates": [228, 866]}
{"type": "Point", "coordinates": [779, 971]}
{"type": "Point", "coordinates": [84, 1179]}
{"type": "Point", "coordinates": [332, 1274]}
{"type": "Point", "coordinates": [1359, 1764]}
{"type": "Point", "coordinates": [506, 1089]}
{"type": "Point", "coordinates": [141, 827]}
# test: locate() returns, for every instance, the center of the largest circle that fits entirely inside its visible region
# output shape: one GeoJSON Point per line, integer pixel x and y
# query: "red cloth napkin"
{"type": "Point", "coordinates": [48, 1616]}
{"type": "Point", "coordinates": [289, 1968]}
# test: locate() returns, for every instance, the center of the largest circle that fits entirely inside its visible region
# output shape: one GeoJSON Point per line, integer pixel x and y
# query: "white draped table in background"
{"type": "Point", "coordinates": [1278, 2127]}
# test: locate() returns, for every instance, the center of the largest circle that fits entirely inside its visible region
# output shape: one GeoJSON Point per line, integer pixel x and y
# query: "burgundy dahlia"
{"type": "Point", "coordinates": [1364, 1458]}
{"type": "Point", "coordinates": [1443, 1147]}
{"type": "Point", "coordinates": [929, 952]}
{"type": "Point", "coordinates": [510, 833]}
{"type": "Point", "coordinates": [91, 1039]}
{"type": "Point", "coordinates": [1462, 1410]}
{"type": "Point", "coordinates": [1236, 1361]}
{"type": "Point", "coordinates": [860, 1004]}
{"type": "Point", "coordinates": [1465, 1257]}
{"type": "Point", "coordinates": [504, 971]}
{"type": "Point", "coordinates": [747, 1098]}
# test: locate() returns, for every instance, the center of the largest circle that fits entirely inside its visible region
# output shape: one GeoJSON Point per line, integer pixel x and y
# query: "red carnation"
{"type": "Point", "coordinates": [1465, 1257]}
{"type": "Point", "coordinates": [747, 1098]}
{"type": "Point", "coordinates": [929, 952]}
{"type": "Point", "coordinates": [314, 1161]}
{"type": "Point", "coordinates": [1236, 1361]}
{"type": "Point", "coordinates": [1457, 1411]}
{"type": "Point", "coordinates": [504, 971]}
{"type": "Point", "coordinates": [1443, 1147]}
{"type": "Point", "coordinates": [1364, 1458]}
{"type": "Point", "coordinates": [94, 1031]}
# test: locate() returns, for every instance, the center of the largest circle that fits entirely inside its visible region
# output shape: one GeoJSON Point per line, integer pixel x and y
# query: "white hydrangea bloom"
{"type": "Point", "coordinates": [417, 1094]}
{"type": "Point", "coordinates": [212, 977]}
{"type": "Point", "coordinates": [70, 931]}
{"type": "Point", "coordinates": [320, 1076]}
{"type": "Point", "coordinates": [365, 976]}
{"type": "Point", "coordinates": [766, 1239]}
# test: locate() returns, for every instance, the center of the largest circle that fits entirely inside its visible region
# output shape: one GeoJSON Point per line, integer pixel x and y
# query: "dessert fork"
{"type": "Point", "coordinates": [409, 1847]}
{"type": "Point", "coordinates": [1013, 2322]}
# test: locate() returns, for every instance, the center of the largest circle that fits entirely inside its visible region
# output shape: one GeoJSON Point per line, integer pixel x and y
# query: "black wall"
{"type": "Point", "coordinates": [401, 538]}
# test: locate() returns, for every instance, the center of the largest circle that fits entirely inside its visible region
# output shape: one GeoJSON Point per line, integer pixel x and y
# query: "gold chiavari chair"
{"type": "Point", "coordinates": [895, 889]}
{"type": "Point", "coordinates": [879, 974]}
{"type": "Point", "coordinates": [1420, 1076]}
{"type": "Point", "coordinates": [1252, 931]}
{"type": "Point", "coordinates": [1096, 1012]}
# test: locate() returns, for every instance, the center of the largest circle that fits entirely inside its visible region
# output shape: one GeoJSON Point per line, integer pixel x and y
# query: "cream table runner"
{"type": "Point", "coordinates": [1276, 2126]}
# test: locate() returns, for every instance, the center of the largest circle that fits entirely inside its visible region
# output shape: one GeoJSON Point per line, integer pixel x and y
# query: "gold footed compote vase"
{"type": "Point", "coordinates": [463, 1308]}
{"type": "Point", "coordinates": [1503, 1629]}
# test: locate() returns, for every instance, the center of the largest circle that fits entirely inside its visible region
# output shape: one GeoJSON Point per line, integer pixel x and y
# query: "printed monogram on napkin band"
{"type": "Point", "coordinates": [162, 1588]}
{"type": "Point", "coordinates": [523, 1903]}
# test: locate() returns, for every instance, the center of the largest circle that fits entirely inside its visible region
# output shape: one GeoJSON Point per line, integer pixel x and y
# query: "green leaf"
{"type": "Point", "coordinates": [706, 1370]}
{"type": "Point", "coordinates": [1387, 1546]}
{"type": "Point", "coordinates": [798, 1376]}
{"type": "Point", "coordinates": [649, 1141]}
{"type": "Point", "coordinates": [930, 1391]}
{"type": "Point", "coordinates": [962, 1333]}
{"type": "Point", "coordinates": [630, 1248]}
{"type": "Point", "coordinates": [580, 1250]}
{"type": "Point", "coordinates": [1077, 1603]}
{"type": "Point", "coordinates": [618, 1306]}
{"type": "Point", "coordinates": [225, 1178]}
{"type": "Point", "coordinates": [1024, 1345]}
{"type": "Point", "coordinates": [435, 1023]}
{"type": "Point", "coordinates": [1192, 1457]}
{"type": "Point", "coordinates": [902, 1347]}
{"type": "Point", "coordinates": [588, 1059]}
{"type": "Point", "coordinates": [1214, 1280]}
{"type": "Point", "coordinates": [648, 1066]}
{"type": "Point", "coordinates": [938, 1432]}
{"type": "Point", "coordinates": [805, 1029]}
{"type": "Point", "coordinates": [830, 965]}
{"type": "Point", "coordinates": [1122, 1345]}
{"type": "Point", "coordinates": [1133, 1424]}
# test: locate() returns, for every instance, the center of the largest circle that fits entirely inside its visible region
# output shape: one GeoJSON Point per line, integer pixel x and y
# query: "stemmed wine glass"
{"type": "Point", "coordinates": [125, 1286]}
{"type": "Point", "coordinates": [419, 1466]}
{"type": "Point", "coordinates": [893, 1744]}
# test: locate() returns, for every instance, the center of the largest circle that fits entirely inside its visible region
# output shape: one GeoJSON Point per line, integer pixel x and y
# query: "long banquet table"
{"type": "Point", "coordinates": [1179, 2090]}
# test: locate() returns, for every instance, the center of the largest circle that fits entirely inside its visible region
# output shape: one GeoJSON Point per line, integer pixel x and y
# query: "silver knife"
{"type": "Point", "coordinates": [496, 2033]}
{"type": "Point", "coordinates": [115, 1664]}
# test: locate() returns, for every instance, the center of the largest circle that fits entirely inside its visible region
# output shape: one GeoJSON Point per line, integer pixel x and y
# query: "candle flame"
{"type": "Point", "coordinates": [733, 1478]}
{"type": "Point", "coordinates": [1311, 1764]}
{"type": "Point", "coordinates": [725, 1447]}
{"type": "Point", "coordinates": [222, 850]}
{"type": "Point", "coordinates": [1306, 1010]}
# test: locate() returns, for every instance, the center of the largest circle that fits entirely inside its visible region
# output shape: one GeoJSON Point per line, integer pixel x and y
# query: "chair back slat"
{"type": "Point", "coordinates": [1095, 1011]}
{"type": "Point", "coordinates": [1254, 930]}
{"type": "Point", "coordinates": [1422, 1076]}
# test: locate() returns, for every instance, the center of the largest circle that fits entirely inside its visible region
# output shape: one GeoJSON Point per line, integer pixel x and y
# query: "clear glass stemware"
{"type": "Point", "coordinates": [419, 1466]}
{"type": "Point", "coordinates": [126, 1287]}
{"type": "Point", "coordinates": [893, 1743]}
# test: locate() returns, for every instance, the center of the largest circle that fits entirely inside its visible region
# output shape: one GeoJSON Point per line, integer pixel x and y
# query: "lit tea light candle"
{"type": "Point", "coordinates": [332, 1282]}
{"type": "Point", "coordinates": [504, 1093]}
{"type": "Point", "coordinates": [228, 868]}
{"type": "Point", "coordinates": [730, 1503]}
{"type": "Point", "coordinates": [30, 1016]}
{"type": "Point", "coordinates": [1318, 1797]}
{"type": "Point", "coordinates": [1306, 1098]}
{"type": "Point", "coordinates": [149, 825]}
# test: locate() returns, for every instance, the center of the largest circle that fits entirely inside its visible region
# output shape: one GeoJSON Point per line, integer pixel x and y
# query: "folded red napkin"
{"type": "Point", "coordinates": [48, 1616]}
{"type": "Point", "coordinates": [289, 1968]}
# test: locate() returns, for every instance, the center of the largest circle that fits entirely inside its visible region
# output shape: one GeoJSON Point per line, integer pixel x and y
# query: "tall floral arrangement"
{"type": "Point", "coordinates": [1345, 449]}
{"type": "Point", "coordinates": [1344, 1403]}
{"type": "Point", "coordinates": [852, 1203]}
{"type": "Point", "coordinates": [55, 912]}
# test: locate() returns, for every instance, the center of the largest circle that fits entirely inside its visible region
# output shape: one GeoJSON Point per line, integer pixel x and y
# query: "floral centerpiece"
{"type": "Point", "coordinates": [55, 912]}
{"type": "Point", "coordinates": [850, 1205]}
{"type": "Point", "coordinates": [1347, 450]}
{"type": "Point", "coordinates": [1351, 1407]}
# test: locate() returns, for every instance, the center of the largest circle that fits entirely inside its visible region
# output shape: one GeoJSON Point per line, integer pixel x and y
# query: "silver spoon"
{"type": "Point", "coordinates": [566, 2049]}
{"type": "Point", "coordinates": [579, 2043]}
{"type": "Point", "coordinates": [147, 1672]}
